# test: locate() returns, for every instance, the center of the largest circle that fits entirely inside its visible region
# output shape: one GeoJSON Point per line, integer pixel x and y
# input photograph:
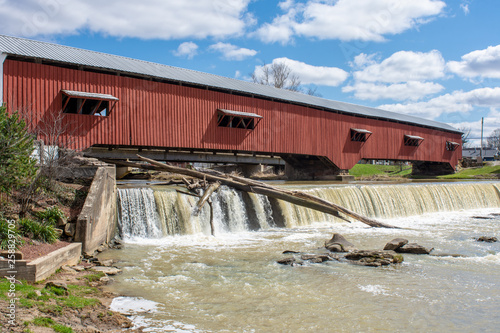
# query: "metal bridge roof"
{"type": "Point", "coordinates": [80, 57]}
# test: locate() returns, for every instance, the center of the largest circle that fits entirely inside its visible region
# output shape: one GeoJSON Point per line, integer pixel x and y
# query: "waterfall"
{"type": "Point", "coordinates": [156, 212]}
{"type": "Point", "coordinates": [137, 213]}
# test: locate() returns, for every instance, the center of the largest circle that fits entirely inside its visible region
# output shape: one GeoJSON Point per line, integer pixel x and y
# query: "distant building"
{"type": "Point", "coordinates": [473, 153]}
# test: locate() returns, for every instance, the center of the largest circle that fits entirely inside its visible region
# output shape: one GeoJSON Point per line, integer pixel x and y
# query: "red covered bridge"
{"type": "Point", "coordinates": [116, 104]}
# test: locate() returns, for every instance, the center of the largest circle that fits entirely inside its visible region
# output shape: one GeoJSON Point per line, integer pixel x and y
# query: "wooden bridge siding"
{"type": "Point", "coordinates": [166, 115]}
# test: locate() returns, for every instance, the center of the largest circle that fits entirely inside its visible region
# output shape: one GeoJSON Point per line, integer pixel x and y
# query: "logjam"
{"type": "Point", "coordinates": [248, 185]}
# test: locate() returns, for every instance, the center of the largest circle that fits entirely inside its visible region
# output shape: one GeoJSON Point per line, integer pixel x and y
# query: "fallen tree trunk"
{"type": "Point", "coordinates": [248, 185]}
{"type": "Point", "coordinates": [211, 189]}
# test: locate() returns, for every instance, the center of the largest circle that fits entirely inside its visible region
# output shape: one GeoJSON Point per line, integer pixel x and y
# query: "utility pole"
{"type": "Point", "coordinates": [482, 127]}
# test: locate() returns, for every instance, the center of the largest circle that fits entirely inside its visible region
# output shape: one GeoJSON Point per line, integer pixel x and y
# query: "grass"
{"type": "Point", "coordinates": [52, 301]}
{"type": "Point", "coordinates": [94, 277]}
{"type": "Point", "coordinates": [484, 172]}
{"type": "Point", "coordinates": [43, 321]}
{"type": "Point", "coordinates": [367, 170]}
{"type": "Point", "coordinates": [49, 322]}
{"type": "Point", "coordinates": [393, 171]}
{"type": "Point", "coordinates": [77, 302]}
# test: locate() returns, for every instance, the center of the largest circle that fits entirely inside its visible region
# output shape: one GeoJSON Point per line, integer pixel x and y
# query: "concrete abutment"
{"type": "Point", "coordinates": [98, 220]}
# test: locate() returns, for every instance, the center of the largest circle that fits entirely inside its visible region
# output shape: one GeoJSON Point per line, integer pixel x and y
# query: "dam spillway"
{"type": "Point", "coordinates": [155, 212]}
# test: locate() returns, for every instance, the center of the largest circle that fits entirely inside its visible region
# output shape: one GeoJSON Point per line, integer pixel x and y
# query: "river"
{"type": "Point", "coordinates": [179, 278]}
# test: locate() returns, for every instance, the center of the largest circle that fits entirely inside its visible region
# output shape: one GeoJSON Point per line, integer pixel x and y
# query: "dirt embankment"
{"type": "Point", "coordinates": [69, 301]}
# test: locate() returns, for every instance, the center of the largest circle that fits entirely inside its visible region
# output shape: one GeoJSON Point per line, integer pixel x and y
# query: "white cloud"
{"type": "Point", "coordinates": [481, 63]}
{"type": "Point", "coordinates": [411, 90]}
{"type": "Point", "coordinates": [147, 19]}
{"type": "Point", "coordinates": [457, 101]}
{"type": "Point", "coordinates": [403, 66]}
{"type": "Point", "coordinates": [286, 5]}
{"type": "Point", "coordinates": [280, 30]}
{"type": "Point", "coordinates": [363, 60]}
{"type": "Point", "coordinates": [464, 6]}
{"type": "Point", "coordinates": [366, 20]}
{"type": "Point", "coordinates": [187, 49]}
{"type": "Point", "coordinates": [232, 52]}
{"type": "Point", "coordinates": [402, 76]}
{"type": "Point", "coordinates": [309, 74]}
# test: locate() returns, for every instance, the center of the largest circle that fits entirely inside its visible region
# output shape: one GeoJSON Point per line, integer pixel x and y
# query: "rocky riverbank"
{"type": "Point", "coordinates": [72, 300]}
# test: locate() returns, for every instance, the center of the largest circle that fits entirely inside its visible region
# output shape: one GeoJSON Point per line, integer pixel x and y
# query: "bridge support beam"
{"type": "Point", "coordinates": [431, 168]}
{"type": "Point", "coordinates": [303, 167]}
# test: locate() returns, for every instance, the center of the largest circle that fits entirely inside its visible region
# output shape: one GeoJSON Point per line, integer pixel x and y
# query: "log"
{"type": "Point", "coordinates": [295, 197]}
{"type": "Point", "coordinates": [211, 189]}
{"type": "Point", "coordinates": [212, 228]}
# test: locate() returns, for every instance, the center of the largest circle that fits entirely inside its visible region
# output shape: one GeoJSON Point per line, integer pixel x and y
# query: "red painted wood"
{"type": "Point", "coordinates": [153, 114]}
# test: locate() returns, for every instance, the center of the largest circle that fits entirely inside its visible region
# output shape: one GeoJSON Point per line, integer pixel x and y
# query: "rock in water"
{"type": "Point", "coordinates": [414, 248]}
{"type": "Point", "coordinates": [289, 261]}
{"type": "Point", "coordinates": [316, 258]}
{"type": "Point", "coordinates": [374, 258]}
{"type": "Point", "coordinates": [106, 270]}
{"type": "Point", "coordinates": [339, 244]}
{"type": "Point", "coordinates": [487, 239]}
{"type": "Point", "coordinates": [395, 244]}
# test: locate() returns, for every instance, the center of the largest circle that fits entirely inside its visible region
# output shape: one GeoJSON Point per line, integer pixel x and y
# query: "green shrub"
{"type": "Point", "coordinates": [16, 147]}
{"type": "Point", "coordinates": [14, 233]}
{"type": "Point", "coordinates": [50, 216]}
{"type": "Point", "coordinates": [38, 231]}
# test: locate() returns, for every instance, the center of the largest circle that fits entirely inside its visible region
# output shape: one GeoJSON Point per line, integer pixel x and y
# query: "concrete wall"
{"type": "Point", "coordinates": [97, 221]}
{"type": "Point", "coordinates": [43, 267]}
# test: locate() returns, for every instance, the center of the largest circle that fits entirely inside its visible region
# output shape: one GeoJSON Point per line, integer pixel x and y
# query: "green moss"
{"type": "Point", "coordinates": [398, 258]}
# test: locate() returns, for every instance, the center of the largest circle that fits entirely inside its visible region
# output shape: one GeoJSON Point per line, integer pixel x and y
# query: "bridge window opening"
{"type": "Point", "coordinates": [236, 119]}
{"type": "Point", "coordinates": [360, 135]}
{"type": "Point", "coordinates": [84, 103]}
{"type": "Point", "coordinates": [413, 140]}
{"type": "Point", "coordinates": [452, 146]}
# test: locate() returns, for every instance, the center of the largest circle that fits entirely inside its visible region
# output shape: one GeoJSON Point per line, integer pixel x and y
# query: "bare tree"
{"type": "Point", "coordinates": [493, 140]}
{"type": "Point", "coordinates": [53, 133]}
{"type": "Point", "coordinates": [465, 136]}
{"type": "Point", "coordinates": [279, 75]}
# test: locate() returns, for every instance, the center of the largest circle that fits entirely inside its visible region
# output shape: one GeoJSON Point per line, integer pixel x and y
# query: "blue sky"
{"type": "Point", "coordinates": [435, 59]}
